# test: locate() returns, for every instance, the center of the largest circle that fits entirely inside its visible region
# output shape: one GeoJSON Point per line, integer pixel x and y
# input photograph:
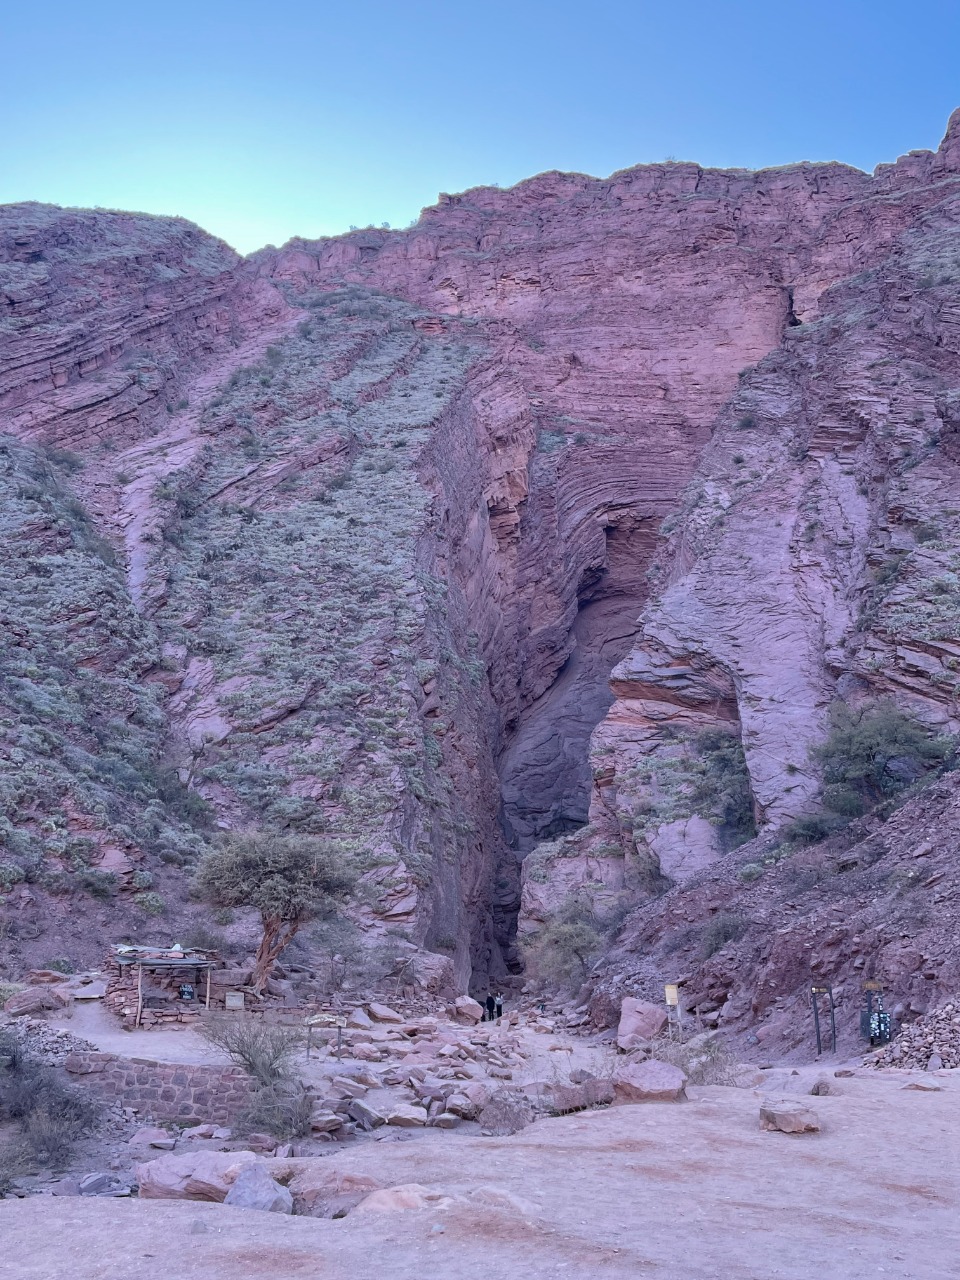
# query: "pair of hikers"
{"type": "Point", "coordinates": [494, 1007]}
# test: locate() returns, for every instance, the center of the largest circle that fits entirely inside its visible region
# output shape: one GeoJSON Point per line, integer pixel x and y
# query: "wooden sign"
{"type": "Point", "coordinates": [672, 994]}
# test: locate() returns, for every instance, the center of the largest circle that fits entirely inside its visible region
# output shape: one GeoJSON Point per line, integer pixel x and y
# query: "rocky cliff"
{"type": "Point", "coordinates": [495, 535]}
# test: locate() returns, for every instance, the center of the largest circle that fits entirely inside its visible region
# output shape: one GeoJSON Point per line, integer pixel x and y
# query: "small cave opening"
{"type": "Point", "coordinates": [545, 781]}
{"type": "Point", "coordinates": [792, 320]}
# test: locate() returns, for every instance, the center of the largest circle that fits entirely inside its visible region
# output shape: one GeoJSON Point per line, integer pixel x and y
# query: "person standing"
{"type": "Point", "coordinates": [491, 1006]}
{"type": "Point", "coordinates": [499, 1004]}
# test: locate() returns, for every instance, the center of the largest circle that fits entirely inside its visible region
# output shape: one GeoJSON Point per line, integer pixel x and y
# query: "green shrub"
{"type": "Point", "coordinates": [265, 1050]}
{"type": "Point", "coordinates": [10, 874]}
{"type": "Point", "coordinates": [811, 827]}
{"type": "Point", "coordinates": [724, 927]}
{"type": "Point", "coordinates": [722, 789]}
{"type": "Point", "coordinates": [750, 871]}
{"type": "Point", "coordinates": [99, 884]}
{"type": "Point", "coordinates": [563, 951]}
{"type": "Point", "coordinates": [872, 753]}
{"type": "Point", "coordinates": [151, 903]}
{"type": "Point", "coordinates": [283, 1108]}
{"type": "Point", "coordinates": [51, 1115]}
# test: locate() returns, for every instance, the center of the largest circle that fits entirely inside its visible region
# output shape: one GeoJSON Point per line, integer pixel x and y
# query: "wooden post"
{"type": "Point", "coordinates": [139, 993]}
{"type": "Point", "coordinates": [208, 986]}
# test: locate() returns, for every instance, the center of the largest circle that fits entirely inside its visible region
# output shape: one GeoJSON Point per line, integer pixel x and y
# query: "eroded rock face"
{"type": "Point", "coordinates": [348, 537]}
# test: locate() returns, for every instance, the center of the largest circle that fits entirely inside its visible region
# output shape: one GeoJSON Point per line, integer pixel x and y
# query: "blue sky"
{"type": "Point", "coordinates": [271, 119]}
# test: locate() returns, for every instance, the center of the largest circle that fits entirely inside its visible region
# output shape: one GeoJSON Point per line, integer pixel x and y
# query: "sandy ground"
{"type": "Point", "coordinates": [687, 1191]}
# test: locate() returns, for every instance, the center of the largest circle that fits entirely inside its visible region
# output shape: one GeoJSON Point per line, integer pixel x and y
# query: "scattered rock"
{"type": "Point", "coordinates": [359, 1018]}
{"type": "Point", "coordinates": [788, 1117]}
{"type": "Point", "coordinates": [200, 1175]}
{"type": "Point", "coordinates": [91, 1184]}
{"type": "Point", "coordinates": [821, 1087]}
{"type": "Point", "coordinates": [467, 1009]}
{"type": "Point", "coordinates": [326, 1121]}
{"type": "Point", "coordinates": [407, 1117]}
{"type": "Point", "coordinates": [639, 1021]}
{"type": "Point", "coordinates": [933, 1038]}
{"type": "Point", "coordinates": [253, 1188]}
{"type": "Point", "coordinates": [153, 1137]}
{"type": "Point", "coordinates": [383, 1013]}
{"type": "Point", "coordinates": [366, 1116]}
{"type": "Point", "coordinates": [650, 1081]}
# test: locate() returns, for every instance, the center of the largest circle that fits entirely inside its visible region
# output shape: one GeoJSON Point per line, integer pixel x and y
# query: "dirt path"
{"type": "Point", "coordinates": [688, 1192]}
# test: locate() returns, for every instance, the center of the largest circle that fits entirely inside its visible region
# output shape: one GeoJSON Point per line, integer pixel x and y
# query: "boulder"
{"type": "Point", "coordinates": [650, 1081]}
{"type": "Point", "coordinates": [446, 1120]}
{"type": "Point", "coordinates": [639, 1020]}
{"type": "Point", "coordinates": [199, 1175]}
{"type": "Point", "coordinates": [407, 1117]}
{"type": "Point", "coordinates": [359, 1018]}
{"type": "Point", "coordinates": [788, 1117]}
{"type": "Point", "coordinates": [37, 977]}
{"type": "Point", "coordinates": [38, 999]}
{"type": "Point", "coordinates": [366, 1116]}
{"type": "Point", "coordinates": [383, 1013]}
{"type": "Point", "coordinates": [253, 1188]}
{"type": "Point", "coordinates": [198, 1131]}
{"type": "Point", "coordinates": [91, 1184]}
{"type": "Point", "coordinates": [325, 1121]}
{"type": "Point", "coordinates": [410, 1195]}
{"type": "Point", "coordinates": [322, 1192]}
{"type": "Point", "coordinates": [348, 1088]}
{"type": "Point", "coordinates": [153, 1136]}
{"type": "Point", "coordinates": [459, 1105]}
{"type": "Point", "coordinates": [467, 1009]}
{"type": "Point", "coordinates": [559, 1097]}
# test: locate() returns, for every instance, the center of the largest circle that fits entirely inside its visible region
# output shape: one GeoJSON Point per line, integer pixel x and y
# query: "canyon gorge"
{"type": "Point", "coordinates": [482, 549]}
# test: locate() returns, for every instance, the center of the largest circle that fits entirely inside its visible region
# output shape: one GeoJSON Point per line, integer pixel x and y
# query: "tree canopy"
{"type": "Point", "coordinates": [289, 879]}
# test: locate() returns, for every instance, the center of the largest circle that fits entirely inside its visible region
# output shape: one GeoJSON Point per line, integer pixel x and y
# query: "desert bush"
{"type": "Point", "coordinates": [873, 753]}
{"type": "Point", "coordinates": [811, 827]}
{"type": "Point", "coordinates": [702, 1060]}
{"type": "Point", "coordinates": [265, 1050]}
{"type": "Point", "coordinates": [151, 903]}
{"type": "Point", "coordinates": [51, 1115]}
{"type": "Point", "coordinates": [282, 1108]}
{"type": "Point", "coordinates": [722, 789]}
{"type": "Point", "coordinates": [99, 884]}
{"type": "Point", "coordinates": [724, 927]}
{"type": "Point", "coordinates": [749, 872]}
{"type": "Point", "coordinates": [563, 951]}
{"type": "Point", "coordinates": [10, 874]}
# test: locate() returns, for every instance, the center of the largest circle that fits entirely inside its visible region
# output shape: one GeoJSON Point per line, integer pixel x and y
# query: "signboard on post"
{"type": "Point", "coordinates": [672, 994]}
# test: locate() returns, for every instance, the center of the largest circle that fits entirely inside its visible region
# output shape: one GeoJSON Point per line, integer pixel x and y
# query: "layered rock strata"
{"type": "Point", "coordinates": [348, 537]}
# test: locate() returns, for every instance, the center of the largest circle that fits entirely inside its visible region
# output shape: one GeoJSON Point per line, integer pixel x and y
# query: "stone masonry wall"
{"type": "Point", "coordinates": [166, 1090]}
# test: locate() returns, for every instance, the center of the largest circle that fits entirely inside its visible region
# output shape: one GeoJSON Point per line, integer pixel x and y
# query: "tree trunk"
{"type": "Point", "coordinates": [277, 934]}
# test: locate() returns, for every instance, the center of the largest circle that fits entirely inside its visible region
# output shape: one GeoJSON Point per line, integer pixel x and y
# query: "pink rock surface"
{"type": "Point", "coordinates": [650, 1081]}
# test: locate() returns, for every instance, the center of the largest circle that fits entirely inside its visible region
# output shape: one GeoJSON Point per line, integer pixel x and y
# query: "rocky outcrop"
{"type": "Point", "coordinates": [750, 935]}
{"type": "Point", "coordinates": [575, 503]}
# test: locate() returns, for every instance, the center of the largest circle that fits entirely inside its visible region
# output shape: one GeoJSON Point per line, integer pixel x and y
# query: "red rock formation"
{"type": "Point", "coordinates": [575, 361]}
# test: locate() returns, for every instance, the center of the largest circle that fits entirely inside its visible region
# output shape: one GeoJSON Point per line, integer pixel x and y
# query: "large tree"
{"type": "Point", "coordinates": [290, 880]}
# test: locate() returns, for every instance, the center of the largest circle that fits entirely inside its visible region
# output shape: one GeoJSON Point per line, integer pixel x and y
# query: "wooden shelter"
{"type": "Point", "coordinates": [159, 984]}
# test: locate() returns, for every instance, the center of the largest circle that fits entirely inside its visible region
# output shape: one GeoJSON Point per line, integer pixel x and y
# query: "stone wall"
{"type": "Point", "coordinates": [165, 1090]}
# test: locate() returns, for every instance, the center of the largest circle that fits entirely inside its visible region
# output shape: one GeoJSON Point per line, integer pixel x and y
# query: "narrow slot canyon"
{"type": "Point", "coordinates": [545, 770]}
